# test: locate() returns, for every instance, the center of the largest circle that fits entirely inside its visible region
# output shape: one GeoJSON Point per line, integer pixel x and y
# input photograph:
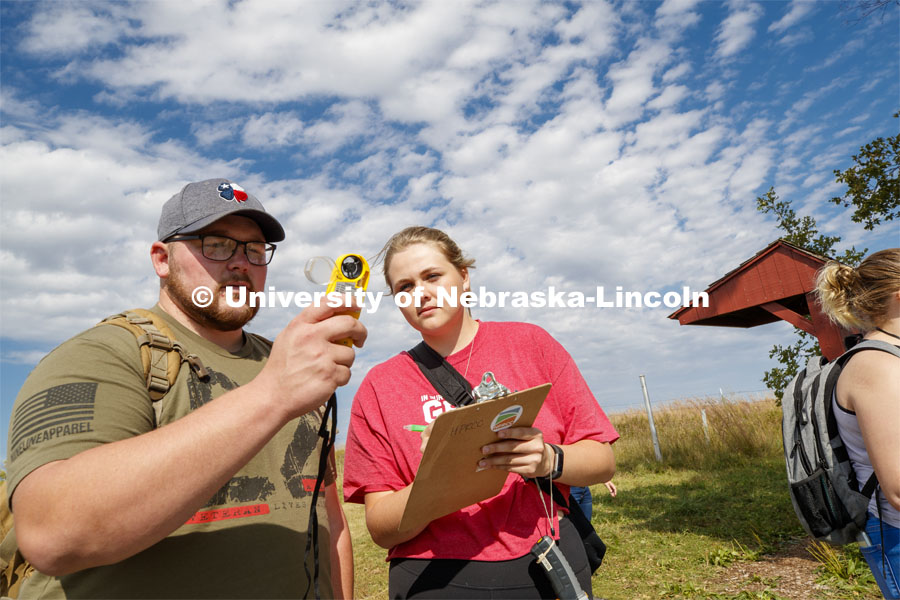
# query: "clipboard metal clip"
{"type": "Point", "coordinates": [489, 388]}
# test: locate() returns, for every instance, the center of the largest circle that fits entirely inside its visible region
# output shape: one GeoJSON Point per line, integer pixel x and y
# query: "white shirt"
{"type": "Point", "coordinates": [848, 427]}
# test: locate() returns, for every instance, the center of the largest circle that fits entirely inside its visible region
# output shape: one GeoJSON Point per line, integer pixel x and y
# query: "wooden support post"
{"type": "Point", "coordinates": [786, 314]}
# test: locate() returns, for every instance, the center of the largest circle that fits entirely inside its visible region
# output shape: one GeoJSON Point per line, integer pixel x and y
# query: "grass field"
{"type": "Point", "coordinates": [676, 526]}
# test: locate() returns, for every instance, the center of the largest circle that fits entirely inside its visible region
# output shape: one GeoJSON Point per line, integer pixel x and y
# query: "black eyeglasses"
{"type": "Point", "coordinates": [219, 247]}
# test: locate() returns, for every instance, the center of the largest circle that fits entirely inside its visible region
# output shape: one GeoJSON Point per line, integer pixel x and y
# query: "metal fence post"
{"type": "Point", "coordinates": [705, 425]}
{"type": "Point", "coordinates": [650, 417]}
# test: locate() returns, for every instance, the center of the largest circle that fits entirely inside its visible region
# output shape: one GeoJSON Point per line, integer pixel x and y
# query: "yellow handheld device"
{"type": "Point", "coordinates": [349, 275]}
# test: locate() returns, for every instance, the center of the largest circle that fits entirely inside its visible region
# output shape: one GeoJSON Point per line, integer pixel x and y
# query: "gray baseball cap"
{"type": "Point", "coordinates": [204, 202]}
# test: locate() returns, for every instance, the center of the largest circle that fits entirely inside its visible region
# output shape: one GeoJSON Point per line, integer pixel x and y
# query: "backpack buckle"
{"type": "Point", "coordinates": [157, 340]}
{"type": "Point", "coordinates": [159, 385]}
{"type": "Point", "coordinates": [194, 361]}
{"type": "Point", "coordinates": [135, 319]}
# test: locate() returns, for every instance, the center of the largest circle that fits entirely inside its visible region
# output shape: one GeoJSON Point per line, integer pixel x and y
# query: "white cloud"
{"type": "Point", "coordinates": [751, 174]}
{"type": "Point", "coordinates": [797, 11]}
{"type": "Point", "coordinates": [849, 48]}
{"type": "Point", "coordinates": [796, 38]}
{"type": "Point", "coordinates": [633, 78]}
{"type": "Point", "coordinates": [737, 30]}
{"type": "Point", "coordinates": [28, 357]}
{"type": "Point", "coordinates": [666, 130]}
{"type": "Point", "coordinates": [272, 129]}
{"type": "Point", "coordinates": [676, 72]}
{"type": "Point", "coordinates": [590, 31]}
{"type": "Point", "coordinates": [66, 28]}
{"type": "Point", "coordinates": [814, 180]}
{"type": "Point", "coordinates": [481, 151]}
{"type": "Point", "coordinates": [674, 16]}
{"type": "Point", "coordinates": [669, 97]}
{"type": "Point", "coordinates": [715, 90]}
{"type": "Point", "coordinates": [208, 134]}
{"type": "Point", "coordinates": [847, 131]}
{"type": "Point", "coordinates": [198, 53]}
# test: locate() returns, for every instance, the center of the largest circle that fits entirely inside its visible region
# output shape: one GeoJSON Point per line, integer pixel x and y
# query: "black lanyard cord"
{"type": "Point", "coordinates": [312, 529]}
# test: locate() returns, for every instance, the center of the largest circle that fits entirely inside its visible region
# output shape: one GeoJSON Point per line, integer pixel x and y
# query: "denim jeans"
{"type": "Point", "coordinates": [582, 497]}
{"type": "Point", "coordinates": [885, 571]}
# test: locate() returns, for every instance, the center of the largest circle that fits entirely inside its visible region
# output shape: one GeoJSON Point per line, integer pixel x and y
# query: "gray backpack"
{"type": "Point", "coordinates": [824, 490]}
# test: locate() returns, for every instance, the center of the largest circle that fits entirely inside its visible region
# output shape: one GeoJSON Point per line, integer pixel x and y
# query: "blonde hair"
{"type": "Point", "coordinates": [424, 235]}
{"type": "Point", "coordinates": [858, 298]}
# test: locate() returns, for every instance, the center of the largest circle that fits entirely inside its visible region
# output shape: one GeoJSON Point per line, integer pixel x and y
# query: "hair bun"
{"type": "Point", "coordinates": [859, 298]}
{"type": "Point", "coordinates": [836, 285]}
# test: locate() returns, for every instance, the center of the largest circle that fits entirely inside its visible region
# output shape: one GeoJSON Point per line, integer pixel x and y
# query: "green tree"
{"type": "Point", "coordinates": [802, 232]}
{"type": "Point", "coordinates": [873, 182]}
{"type": "Point", "coordinates": [791, 358]}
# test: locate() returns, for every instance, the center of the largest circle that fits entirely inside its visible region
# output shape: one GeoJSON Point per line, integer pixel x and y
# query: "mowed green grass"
{"type": "Point", "coordinates": [675, 525]}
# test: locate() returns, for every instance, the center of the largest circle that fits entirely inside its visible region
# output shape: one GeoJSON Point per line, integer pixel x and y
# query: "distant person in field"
{"type": "Point", "coordinates": [612, 488]}
{"type": "Point", "coordinates": [581, 495]}
{"type": "Point", "coordinates": [867, 396]}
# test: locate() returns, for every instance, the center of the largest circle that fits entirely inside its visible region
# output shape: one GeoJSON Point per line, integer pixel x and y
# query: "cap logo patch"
{"type": "Point", "coordinates": [232, 192]}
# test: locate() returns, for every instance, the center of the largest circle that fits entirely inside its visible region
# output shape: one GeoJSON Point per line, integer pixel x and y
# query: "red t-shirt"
{"type": "Point", "coordinates": [382, 456]}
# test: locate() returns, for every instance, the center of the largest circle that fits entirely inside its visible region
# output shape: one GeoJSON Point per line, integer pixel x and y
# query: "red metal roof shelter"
{"type": "Point", "coordinates": [775, 284]}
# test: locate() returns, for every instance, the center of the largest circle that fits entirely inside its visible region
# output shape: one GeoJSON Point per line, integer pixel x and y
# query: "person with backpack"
{"type": "Point", "coordinates": [483, 550]}
{"type": "Point", "coordinates": [131, 480]}
{"type": "Point", "coordinates": [866, 398]}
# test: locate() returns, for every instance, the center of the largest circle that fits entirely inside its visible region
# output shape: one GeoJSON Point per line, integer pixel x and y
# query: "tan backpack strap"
{"type": "Point", "coordinates": [14, 569]}
{"type": "Point", "coordinates": [161, 355]}
{"type": "Point", "coordinates": [156, 346]}
{"type": "Point", "coordinates": [8, 543]}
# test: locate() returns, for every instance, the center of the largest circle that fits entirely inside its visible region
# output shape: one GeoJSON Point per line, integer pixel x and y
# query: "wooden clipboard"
{"type": "Point", "coordinates": [447, 479]}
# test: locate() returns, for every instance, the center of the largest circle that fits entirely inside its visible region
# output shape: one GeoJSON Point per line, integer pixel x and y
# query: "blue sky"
{"type": "Point", "coordinates": [565, 144]}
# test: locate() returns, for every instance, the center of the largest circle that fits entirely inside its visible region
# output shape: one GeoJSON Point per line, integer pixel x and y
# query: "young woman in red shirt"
{"type": "Point", "coordinates": [482, 550]}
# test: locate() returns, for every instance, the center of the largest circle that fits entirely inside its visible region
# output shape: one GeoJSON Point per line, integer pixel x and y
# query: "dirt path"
{"type": "Point", "coordinates": [789, 573]}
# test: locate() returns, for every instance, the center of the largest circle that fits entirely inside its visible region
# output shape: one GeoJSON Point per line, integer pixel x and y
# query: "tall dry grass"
{"type": "Point", "coordinates": [738, 431]}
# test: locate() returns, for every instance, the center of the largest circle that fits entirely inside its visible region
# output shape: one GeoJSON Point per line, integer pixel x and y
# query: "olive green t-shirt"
{"type": "Point", "coordinates": [249, 539]}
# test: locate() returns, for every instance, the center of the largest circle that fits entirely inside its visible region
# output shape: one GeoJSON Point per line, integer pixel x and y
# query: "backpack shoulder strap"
{"type": "Point", "coordinates": [838, 365]}
{"type": "Point", "coordinates": [870, 345]}
{"type": "Point", "coordinates": [14, 568]}
{"type": "Point", "coordinates": [446, 380]}
{"type": "Point", "coordinates": [868, 488]}
{"type": "Point", "coordinates": [161, 354]}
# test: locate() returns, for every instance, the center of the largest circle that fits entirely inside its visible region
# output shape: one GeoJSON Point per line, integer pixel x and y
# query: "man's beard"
{"type": "Point", "coordinates": [218, 316]}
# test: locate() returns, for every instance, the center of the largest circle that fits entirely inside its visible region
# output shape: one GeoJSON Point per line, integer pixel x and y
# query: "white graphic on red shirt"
{"type": "Point", "coordinates": [433, 405]}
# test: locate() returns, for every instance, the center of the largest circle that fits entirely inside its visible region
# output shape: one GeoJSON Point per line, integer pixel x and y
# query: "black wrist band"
{"type": "Point", "coordinates": [557, 470]}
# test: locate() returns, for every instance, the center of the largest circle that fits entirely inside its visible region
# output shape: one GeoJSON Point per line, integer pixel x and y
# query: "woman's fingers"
{"type": "Point", "coordinates": [520, 450]}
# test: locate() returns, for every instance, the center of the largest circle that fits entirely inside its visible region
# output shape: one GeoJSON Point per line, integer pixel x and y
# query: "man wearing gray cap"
{"type": "Point", "coordinates": [205, 492]}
